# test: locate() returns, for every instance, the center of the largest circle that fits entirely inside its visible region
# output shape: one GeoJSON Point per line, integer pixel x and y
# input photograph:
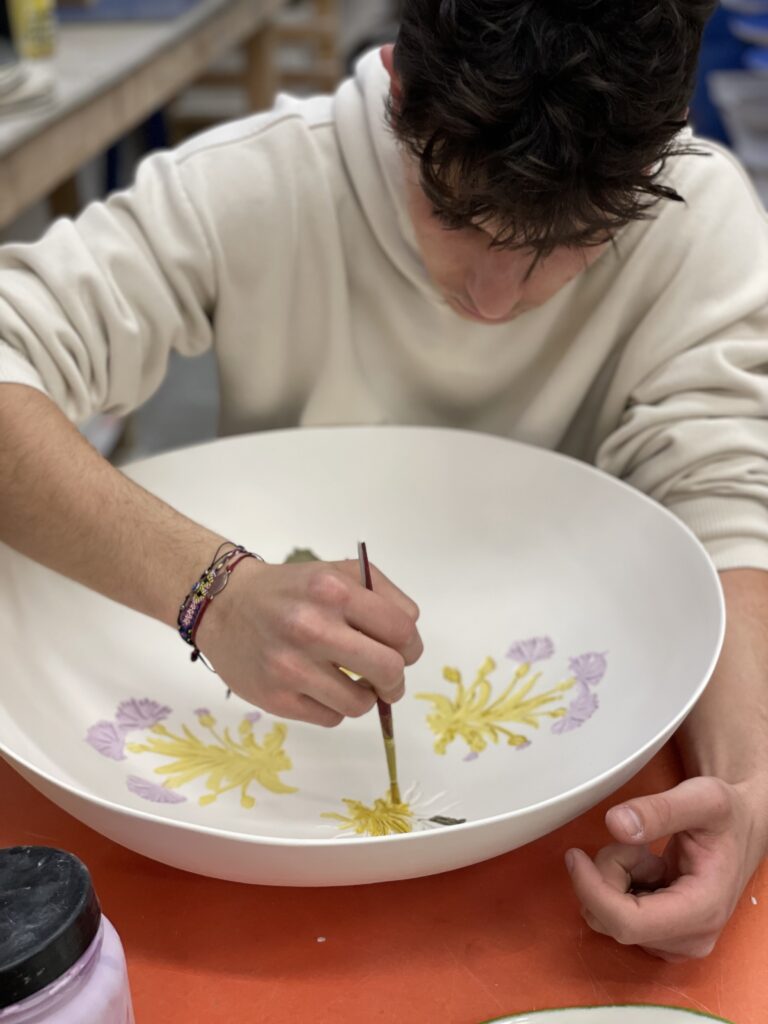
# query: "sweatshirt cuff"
{"type": "Point", "coordinates": [734, 530]}
{"type": "Point", "coordinates": [14, 369]}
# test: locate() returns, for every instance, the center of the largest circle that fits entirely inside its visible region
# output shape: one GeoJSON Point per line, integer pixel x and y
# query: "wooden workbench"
{"type": "Point", "coordinates": [110, 77]}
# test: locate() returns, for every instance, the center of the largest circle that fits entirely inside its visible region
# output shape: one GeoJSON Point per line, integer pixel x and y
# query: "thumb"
{"type": "Point", "coordinates": [696, 805]}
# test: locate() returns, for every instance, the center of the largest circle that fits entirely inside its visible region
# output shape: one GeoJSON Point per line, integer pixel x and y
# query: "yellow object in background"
{"type": "Point", "coordinates": [34, 28]}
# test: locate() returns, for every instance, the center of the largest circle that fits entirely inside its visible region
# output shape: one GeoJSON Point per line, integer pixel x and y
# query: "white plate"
{"type": "Point", "coordinates": [611, 1015]}
{"type": "Point", "coordinates": [601, 605]}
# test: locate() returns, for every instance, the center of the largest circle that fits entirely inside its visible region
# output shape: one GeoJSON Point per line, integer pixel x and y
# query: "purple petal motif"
{"type": "Point", "coordinates": [471, 756]}
{"type": "Point", "coordinates": [151, 791]}
{"type": "Point", "coordinates": [579, 711]}
{"type": "Point", "coordinates": [202, 711]}
{"type": "Point", "coordinates": [537, 648]}
{"type": "Point", "coordinates": [523, 746]}
{"type": "Point", "coordinates": [588, 669]}
{"type": "Point", "coordinates": [108, 739]}
{"type": "Point", "coordinates": [140, 714]}
{"type": "Point", "coordinates": [253, 716]}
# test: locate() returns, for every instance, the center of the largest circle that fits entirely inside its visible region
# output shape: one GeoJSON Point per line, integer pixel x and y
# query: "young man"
{"type": "Point", "coordinates": [484, 229]}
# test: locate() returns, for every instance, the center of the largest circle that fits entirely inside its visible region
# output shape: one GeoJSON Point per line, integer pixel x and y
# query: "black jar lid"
{"type": "Point", "coordinates": [49, 916]}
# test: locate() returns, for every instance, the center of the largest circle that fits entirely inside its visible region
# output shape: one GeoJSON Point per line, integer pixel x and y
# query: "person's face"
{"type": "Point", "coordinates": [482, 283]}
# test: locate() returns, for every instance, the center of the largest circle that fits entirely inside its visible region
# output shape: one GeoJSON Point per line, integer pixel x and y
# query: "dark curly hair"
{"type": "Point", "coordinates": [548, 121]}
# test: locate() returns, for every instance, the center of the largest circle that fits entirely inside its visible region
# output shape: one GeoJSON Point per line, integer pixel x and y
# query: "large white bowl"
{"type": "Point", "coordinates": [591, 596]}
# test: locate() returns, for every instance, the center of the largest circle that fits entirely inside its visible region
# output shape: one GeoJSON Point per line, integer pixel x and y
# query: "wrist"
{"type": "Point", "coordinates": [222, 606]}
{"type": "Point", "coordinates": [754, 794]}
{"type": "Point", "coordinates": [184, 570]}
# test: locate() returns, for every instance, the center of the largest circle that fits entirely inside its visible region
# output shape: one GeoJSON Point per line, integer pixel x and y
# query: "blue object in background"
{"type": "Point", "coordinates": [719, 50]}
{"type": "Point", "coordinates": [155, 136]}
{"type": "Point", "coordinates": [127, 10]}
{"type": "Point", "coordinates": [752, 28]}
{"type": "Point", "coordinates": [756, 59]}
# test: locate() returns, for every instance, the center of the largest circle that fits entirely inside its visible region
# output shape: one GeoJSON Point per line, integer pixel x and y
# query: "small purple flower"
{"type": "Point", "coordinates": [253, 716]}
{"type": "Point", "coordinates": [579, 711]}
{"type": "Point", "coordinates": [588, 669]}
{"type": "Point", "coordinates": [205, 718]}
{"type": "Point", "coordinates": [140, 714]}
{"type": "Point", "coordinates": [151, 791]}
{"type": "Point", "coordinates": [471, 756]}
{"type": "Point", "coordinates": [107, 739]}
{"type": "Point", "coordinates": [523, 746]}
{"type": "Point", "coordinates": [537, 648]}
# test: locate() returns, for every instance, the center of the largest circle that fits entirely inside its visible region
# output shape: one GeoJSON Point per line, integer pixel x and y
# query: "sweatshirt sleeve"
{"type": "Point", "coordinates": [694, 432]}
{"type": "Point", "coordinates": [89, 313]}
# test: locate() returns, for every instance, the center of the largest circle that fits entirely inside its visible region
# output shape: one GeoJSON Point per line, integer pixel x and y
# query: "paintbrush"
{"type": "Point", "coordinates": [385, 710]}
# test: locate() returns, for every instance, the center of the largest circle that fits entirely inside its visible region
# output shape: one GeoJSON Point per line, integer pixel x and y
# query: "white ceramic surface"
{"type": "Point", "coordinates": [600, 604]}
{"type": "Point", "coordinates": [611, 1015]}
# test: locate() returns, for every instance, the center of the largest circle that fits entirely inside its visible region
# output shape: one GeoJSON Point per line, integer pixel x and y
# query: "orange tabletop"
{"type": "Point", "coordinates": [498, 938]}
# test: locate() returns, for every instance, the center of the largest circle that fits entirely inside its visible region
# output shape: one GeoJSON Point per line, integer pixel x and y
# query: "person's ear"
{"type": "Point", "coordinates": [388, 60]}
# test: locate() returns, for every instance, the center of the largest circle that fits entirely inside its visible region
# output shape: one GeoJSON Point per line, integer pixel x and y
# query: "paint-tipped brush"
{"type": "Point", "coordinates": [385, 710]}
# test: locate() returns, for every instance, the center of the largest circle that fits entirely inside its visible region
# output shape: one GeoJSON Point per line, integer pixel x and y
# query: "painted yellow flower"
{"type": "Point", "coordinates": [474, 716]}
{"type": "Point", "coordinates": [413, 813]}
{"type": "Point", "coordinates": [227, 764]}
{"type": "Point", "coordinates": [384, 818]}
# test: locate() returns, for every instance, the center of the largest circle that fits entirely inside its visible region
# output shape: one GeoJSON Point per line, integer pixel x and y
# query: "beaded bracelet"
{"type": "Point", "coordinates": [210, 584]}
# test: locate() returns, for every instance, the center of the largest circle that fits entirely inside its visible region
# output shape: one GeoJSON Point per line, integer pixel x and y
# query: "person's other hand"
{"type": "Point", "coordinates": [278, 635]}
{"type": "Point", "coordinates": [675, 905]}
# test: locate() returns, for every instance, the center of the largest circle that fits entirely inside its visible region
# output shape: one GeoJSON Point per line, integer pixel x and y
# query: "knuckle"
{"type": "Point", "coordinates": [304, 625]}
{"type": "Point", "coordinates": [361, 707]}
{"type": "Point", "coordinates": [328, 588]}
{"type": "Point", "coordinates": [714, 922]}
{"type": "Point", "coordinates": [393, 671]}
{"type": "Point", "coordinates": [360, 702]}
{"type": "Point", "coordinates": [626, 935]}
{"type": "Point", "coordinates": [403, 632]}
{"type": "Point", "coordinates": [331, 720]}
{"type": "Point", "coordinates": [284, 666]}
{"type": "Point", "coordinates": [701, 949]}
{"type": "Point", "coordinates": [719, 797]}
{"type": "Point", "coordinates": [415, 651]}
{"type": "Point", "coordinates": [284, 706]}
{"type": "Point", "coordinates": [661, 810]}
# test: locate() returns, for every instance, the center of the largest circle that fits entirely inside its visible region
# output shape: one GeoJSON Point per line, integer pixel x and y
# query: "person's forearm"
{"type": "Point", "coordinates": [727, 732]}
{"type": "Point", "coordinates": [66, 507]}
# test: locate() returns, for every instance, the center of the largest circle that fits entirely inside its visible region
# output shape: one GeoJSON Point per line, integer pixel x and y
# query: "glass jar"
{"type": "Point", "coordinates": [34, 26]}
{"type": "Point", "coordinates": [61, 961]}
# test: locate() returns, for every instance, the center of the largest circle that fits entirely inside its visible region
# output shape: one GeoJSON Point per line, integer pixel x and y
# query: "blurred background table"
{"type": "Point", "coordinates": [109, 78]}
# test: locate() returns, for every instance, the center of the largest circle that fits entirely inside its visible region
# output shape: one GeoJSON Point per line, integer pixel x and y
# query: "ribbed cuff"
{"type": "Point", "coordinates": [734, 530]}
{"type": "Point", "coordinates": [14, 369]}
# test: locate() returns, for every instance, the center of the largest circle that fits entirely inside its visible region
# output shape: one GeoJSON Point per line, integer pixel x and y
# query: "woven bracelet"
{"type": "Point", "coordinates": [209, 585]}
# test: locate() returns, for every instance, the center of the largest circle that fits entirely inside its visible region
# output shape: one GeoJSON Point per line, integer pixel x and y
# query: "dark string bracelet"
{"type": "Point", "coordinates": [210, 584]}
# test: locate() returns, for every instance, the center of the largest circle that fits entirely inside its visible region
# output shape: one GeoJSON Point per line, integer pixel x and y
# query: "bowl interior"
{"type": "Point", "coordinates": [567, 622]}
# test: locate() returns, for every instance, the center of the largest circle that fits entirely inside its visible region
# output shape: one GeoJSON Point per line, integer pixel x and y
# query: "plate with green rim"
{"type": "Point", "coordinates": [635, 1014]}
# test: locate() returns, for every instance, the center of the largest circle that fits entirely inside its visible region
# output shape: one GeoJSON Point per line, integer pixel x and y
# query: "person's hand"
{"type": "Point", "coordinates": [278, 636]}
{"type": "Point", "coordinates": [674, 905]}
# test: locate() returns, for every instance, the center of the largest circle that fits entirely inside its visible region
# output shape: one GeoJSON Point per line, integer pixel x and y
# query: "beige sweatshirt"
{"type": "Point", "coordinates": [283, 241]}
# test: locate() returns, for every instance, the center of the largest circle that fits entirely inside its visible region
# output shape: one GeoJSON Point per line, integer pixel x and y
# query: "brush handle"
{"type": "Point", "coordinates": [385, 710]}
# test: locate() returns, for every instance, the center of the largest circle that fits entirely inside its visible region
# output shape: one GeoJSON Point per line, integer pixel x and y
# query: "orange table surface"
{"type": "Point", "coordinates": [498, 938]}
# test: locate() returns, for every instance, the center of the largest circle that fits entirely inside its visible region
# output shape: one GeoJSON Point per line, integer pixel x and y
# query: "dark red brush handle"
{"type": "Point", "coordinates": [385, 710]}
